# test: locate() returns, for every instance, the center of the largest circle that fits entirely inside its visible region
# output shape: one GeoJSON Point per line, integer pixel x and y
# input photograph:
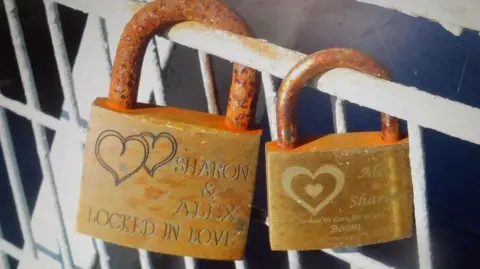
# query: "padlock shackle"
{"type": "Point", "coordinates": [157, 16]}
{"type": "Point", "coordinates": [316, 64]}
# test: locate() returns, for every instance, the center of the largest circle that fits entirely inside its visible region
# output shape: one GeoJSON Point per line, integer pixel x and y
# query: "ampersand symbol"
{"type": "Point", "coordinates": [208, 191]}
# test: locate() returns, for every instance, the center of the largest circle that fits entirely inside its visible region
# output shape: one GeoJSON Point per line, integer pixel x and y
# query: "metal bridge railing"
{"type": "Point", "coordinates": [398, 100]}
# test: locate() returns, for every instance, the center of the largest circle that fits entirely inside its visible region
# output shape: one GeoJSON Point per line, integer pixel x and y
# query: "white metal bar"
{"type": "Point", "coordinates": [164, 48]}
{"type": "Point", "coordinates": [208, 83]}
{"type": "Point", "coordinates": [145, 262]}
{"type": "Point", "coordinates": [103, 256]}
{"type": "Point", "coordinates": [293, 260]}
{"type": "Point", "coordinates": [358, 260]}
{"type": "Point", "coordinates": [3, 256]}
{"type": "Point", "coordinates": [338, 111]}
{"type": "Point", "coordinates": [240, 265]}
{"type": "Point", "coordinates": [61, 57]}
{"type": "Point", "coordinates": [36, 116]}
{"type": "Point", "coordinates": [101, 248]}
{"type": "Point", "coordinates": [103, 33]}
{"type": "Point", "coordinates": [41, 142]}
{"type": "Point", "coordinates": [13, 174]}
{"type": "Point", "coordinates": [158, 89]}
{"type": "Point", "coordinates": [460, 13]}
{"type": "Point", "coordinates": [19, 254]}
{"type": "Point", "coordinates": [417, 164]}
{"type": "Point", "coordinates": [189, 263]}
{"type": "Point", "coordinates": [271, 102]}
{"type": "Point", "coordinates": [11, 249]}
{"type": "Point", "coordinates": [395, 99]}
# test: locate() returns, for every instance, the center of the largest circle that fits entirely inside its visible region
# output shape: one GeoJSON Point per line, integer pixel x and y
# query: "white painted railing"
{"type": "Point", "coordinates": [395, 99]}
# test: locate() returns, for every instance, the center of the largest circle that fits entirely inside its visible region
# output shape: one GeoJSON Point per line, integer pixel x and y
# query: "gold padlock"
{"type": "Point", "coordinates": [164, 179]}
{"type": "Point", "coordinates": [336, 190]}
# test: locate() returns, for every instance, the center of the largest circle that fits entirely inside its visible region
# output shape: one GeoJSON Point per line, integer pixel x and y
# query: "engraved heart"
{"type": "Point", "coordinates": [108, 143]}
{"type": "Point", "coordinates": [313, 189]}
{"type": "Point", "coordinates": [162, 148]}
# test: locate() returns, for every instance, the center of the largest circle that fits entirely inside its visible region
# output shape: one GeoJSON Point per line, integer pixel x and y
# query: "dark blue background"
{"type": "Point", "coordinates": [418, 52]}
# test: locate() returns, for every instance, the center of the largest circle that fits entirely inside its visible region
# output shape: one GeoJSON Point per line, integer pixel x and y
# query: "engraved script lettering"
{"type": "Point", "coordinates": [121, 222]}
{"type": "Point", "coordinates": [345, 228]}
{"type": "Point", "coordinates": [372, 171]}
{"type": "Point", "coordinates": [368, 200]}
{"type": "Point", "coordinates": [171, 232]}
{"type": "Point", "coordinates": [210, 237]}
{"type": "Point", "coordinates": [212, 169]}
{"type": "Point", "coordinates": [198, 210]}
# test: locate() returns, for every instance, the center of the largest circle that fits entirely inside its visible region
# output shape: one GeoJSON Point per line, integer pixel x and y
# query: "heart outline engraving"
{"type": "Point", "coordinates": [291, 172]}
{"type": "Point", "coordinates": [163, 135]}
{"type": "Point", "coordinates": [111, 133]}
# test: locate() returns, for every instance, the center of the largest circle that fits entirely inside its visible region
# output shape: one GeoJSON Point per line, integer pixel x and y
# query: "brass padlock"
{"type": "Point", "coordinates": [164, 179]}
{"type": "Point", "coordinates": [336, 190]}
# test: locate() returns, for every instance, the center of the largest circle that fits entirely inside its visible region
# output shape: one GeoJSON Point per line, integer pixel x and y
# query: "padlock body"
{"type": "Point", "coordinates": [340, 190]}
{"type": "Point", "coordinates": [167, 180]}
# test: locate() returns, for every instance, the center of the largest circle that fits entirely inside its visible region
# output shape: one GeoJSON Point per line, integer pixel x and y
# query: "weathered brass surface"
{"type": "Point", "coordinates": [341, 190]}
{"type": "Point", "coordinates": [167, 180]}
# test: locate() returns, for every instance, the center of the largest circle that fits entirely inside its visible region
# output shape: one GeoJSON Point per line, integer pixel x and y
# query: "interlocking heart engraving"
{"type": "Point", "coordinates": [141, 159]}
{"type": "Point", "coordinates": [313, 190]}
{"type": "Point", "coordinates": [168, 158]}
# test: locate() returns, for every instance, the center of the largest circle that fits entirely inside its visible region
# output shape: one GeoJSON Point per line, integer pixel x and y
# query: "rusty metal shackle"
{"type": "Point", "coordinates": [319, 63]}
{"type": "Point", "coordinates": [160, 14]}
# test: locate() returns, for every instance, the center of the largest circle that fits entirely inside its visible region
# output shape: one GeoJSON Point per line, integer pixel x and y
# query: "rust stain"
{"type": "Point", "coordinates": [153, 193]}
{"type": "Point", "coordinates": [156, 208]}
{"type": "Point", "coordinates": [263, 48]}
{"type": "Point", "coordinates": [135, 202]}
{"type": "Point", "coordinates": [157, 16]}
{"type": "Point", "coordinates": [319, 63]}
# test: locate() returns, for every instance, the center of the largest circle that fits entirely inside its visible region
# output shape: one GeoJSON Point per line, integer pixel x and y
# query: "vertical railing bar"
{"type": "Point", "coordinates": [338, 112]}
{"type": "Point", "coordinates": [340, 127]}
{"type": "Point", "coordinates": [4, 264]}
{"type": "Point", "coordinates": [15, 180]}
{"type": "Point", "coordinates": [101, 249]}
{"type": "Point", "coordinates": [208, 83]}
{"type": "Point", "coordinates": [158, 89]}
{"type": "Point", "coordinates": [164, 50]}
{"type": "Point", "coordinates": [359, 260]}
{"type": "Point", "coordinates": [144, 257]}
{"type": "Point", "coordinates": [270, 100]}
{"type": "Point", "coordinates": [293, 260]}
{"type": "Point", "coordinates": [41, 143]}
{"type": "Point", "coordinates": [417, 165]}
{"type": "Point", "coordinates": [103, 32]}
{"type": "Point", "coordinates": [189, 262]}
{"type": "Point", "coordinates": [61, 57]}
{"type": "Point", "coordinates": [268, 85]}
{"type": "Point", "coordinates": [240, 265]}
{"type": "Point", "coordinates": [100, 246]}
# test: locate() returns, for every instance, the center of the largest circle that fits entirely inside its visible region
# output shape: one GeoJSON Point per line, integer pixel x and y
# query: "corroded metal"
{"type": "Point", "coordinates": [316, 64]}
{"type": "Point", "coordinates": [160, 14]}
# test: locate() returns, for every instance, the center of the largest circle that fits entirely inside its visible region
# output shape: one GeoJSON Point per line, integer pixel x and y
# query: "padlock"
{"type": "Point", "coordinates": [336, 190]}
{"type": "Point", "coordinates": [165, 179]}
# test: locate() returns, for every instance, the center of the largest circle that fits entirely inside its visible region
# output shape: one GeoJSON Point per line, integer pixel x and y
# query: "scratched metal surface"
{"type": "Point", "coordinates": [418, 52]}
